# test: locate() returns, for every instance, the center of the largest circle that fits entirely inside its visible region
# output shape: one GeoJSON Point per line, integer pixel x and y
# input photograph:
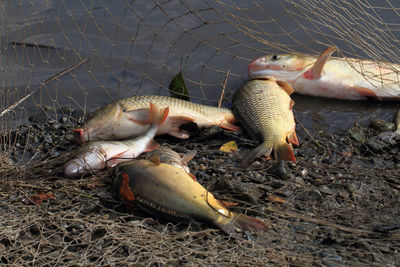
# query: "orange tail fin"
{"type": "Point", "coordinates": [158, 116]}
{"type": "Point", "coordinates": [284, 152]}
{"type": "Point", "coordinates": [242, 222]}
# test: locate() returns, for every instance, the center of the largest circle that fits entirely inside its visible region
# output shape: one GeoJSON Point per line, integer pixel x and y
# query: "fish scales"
{"type": "Point", "coordinates": [185, 107]}
{"type": "Point", "coordinates": [264, 108]}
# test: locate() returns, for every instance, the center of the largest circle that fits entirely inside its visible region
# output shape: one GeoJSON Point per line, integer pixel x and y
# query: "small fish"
{"type": "Point", "coordinates": [166, 155]}
{"type": "Point", "coordinates": [264, 107]}
{"type": "Point", "coordinates": [165, 190]}
{"type": "Point", "coordinates": [101, 154]}
{"type": "Point", "coordinates": [130, 117]}
{"type": "Point", "coordinates": [332, 77]}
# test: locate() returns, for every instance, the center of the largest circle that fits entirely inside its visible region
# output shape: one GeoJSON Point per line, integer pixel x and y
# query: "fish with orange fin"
{"type": "Point", "coordinates": [168, 191]}
{"type": "Point", "coordinates": [101, 154]}
{"type": "Point", "coordinates": [130, 117]}
{"type": "Point", "coordinates": [264, 107]}
{"type": "Point", "coordinates": [332, 77]}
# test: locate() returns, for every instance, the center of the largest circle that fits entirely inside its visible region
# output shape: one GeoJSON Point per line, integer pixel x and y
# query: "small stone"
{"type": "Point", "coordinates": [299, 180]}
{"type": "Point", "coordinates": [382, 126]}
{"type": "Point", "coordinates": [344, 193]}
{"type": "Point", "coordinates": [326, 190]}
{"type": "Point", "coordinates": [48, 139]}
{"type": "Point", "coordinates": [357, 133]}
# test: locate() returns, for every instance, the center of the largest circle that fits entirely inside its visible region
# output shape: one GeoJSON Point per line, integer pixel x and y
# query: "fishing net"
{"type": "Point", "coordinates": [61, 60]}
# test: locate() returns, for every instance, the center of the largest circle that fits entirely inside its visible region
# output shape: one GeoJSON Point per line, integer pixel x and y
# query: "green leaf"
{"type": "Point", "coordinates": [178, 89]}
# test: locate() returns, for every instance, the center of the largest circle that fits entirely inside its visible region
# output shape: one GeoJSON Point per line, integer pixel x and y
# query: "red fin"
{"type": "Point", "coordinates": [365, 92]}
{"type": "Point", "coordinates": [140, 116]}
{"type": "Point", "coordinates": [316, 70]}
{"type": "Point", "coordinates": [125, 191]}
{"type": "Point", "coordinates": [79, 135]}
{"type": "Point", "coordinates": [229, 126]}
{"type": "Point", "coordinates": [242, 222]}
{"type": "Point", "coordinates": [151, 146]}
{"type": "Point", "coordinates": [155, 159]}
{"type": "Point", "coordinates": [193, 176]}
{"type": "Point", "coordinates": [229, 204]}
{"type": "Point", "coordinates": [292, 138]}
{"type": "Point", "coordinates": [189, 156]}
{"type": "Point", "coordinates": [285, 86]}
{"type": "Point", "coordinates": [284, 152]}
{"type": "Point", "coordinates": [158, 116]}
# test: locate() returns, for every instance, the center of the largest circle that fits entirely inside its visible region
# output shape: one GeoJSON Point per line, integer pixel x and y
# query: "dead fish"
{"type": "Point", "coordinates": [332, 77]}
{"type": "Point", "coordinates": [165, 190]}
{"type": "Point", "coordinates": [167, 155]}
{"type": "Point", "coordinates": [264, 107]}
{"type": "Point", "coordinates": [101, 154]}
{"type": "Point", "coordinates": [130, 117]}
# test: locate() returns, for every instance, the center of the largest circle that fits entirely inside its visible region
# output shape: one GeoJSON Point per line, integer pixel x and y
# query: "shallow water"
{"type": "Point", "coordinates": [137, 48]}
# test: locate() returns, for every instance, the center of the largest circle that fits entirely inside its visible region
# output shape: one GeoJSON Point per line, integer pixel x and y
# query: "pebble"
{"type": "Point", "coordinates": [357, 133]}
{"type": "Point", "coordinates": [326, 190]}
{"type": "Point", "coordinates": [382, 126]}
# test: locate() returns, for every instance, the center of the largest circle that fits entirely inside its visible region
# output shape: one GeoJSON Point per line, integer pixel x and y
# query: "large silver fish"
{"type": "Point", "coordinates": [332, 77]}
{"type": "Point", "coordinates": [130, 117]}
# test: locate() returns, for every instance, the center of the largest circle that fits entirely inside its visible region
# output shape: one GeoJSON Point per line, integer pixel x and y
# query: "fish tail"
{"type": "Point", "coordinates": [158, 116]}
{"type": "Point", "coordinates": [284, 151]}
{"type": "Point", "coordinates": [242, 222]}
{"type": "Point", "coordinates": [262, 150]}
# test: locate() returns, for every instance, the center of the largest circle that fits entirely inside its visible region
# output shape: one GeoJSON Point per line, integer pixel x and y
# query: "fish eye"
{"type": "Point", "coordinates": [275, 57]}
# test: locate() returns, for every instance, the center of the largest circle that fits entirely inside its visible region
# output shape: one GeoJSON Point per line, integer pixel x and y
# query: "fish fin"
{"type": "Point", "coordinates": [125, 191]}
{"type": "Point", "coordinates": [242, 222]}
{"type": "Point", "coordinates": [174, 122]}
{"type": "Point", "coordinates": [151, 146]}
{"type": "Point", "coordinates": [365, 92]}
{"type": "Point", "coordinates": [284, 152]}
{"type": "Point", "coordinates": [140, 116]}
{"type": "Point", "coordinates": [156, 159]}
{"type": "Point", "coordinates": [229, 204]}
{"type": "Point", "coordinates": [292, 138]}
{"type": "Point", "coordinates": [230, 126]}
{"type": "Point", "coordinates": [193, 176]}
{"type": "Point", "coordinates": [189, 156]}
{"type": "Point", "coordinates": [291, 104]}
{"type": "Point", "coordinates": [262, 150]}
{"type": "Point", "coordinates": [158, 116]}
{"type": "Point", "coordinates": [316, 71]}
{"type": "Point", "coordinates": [79, 136]}
{"type": "Point", "coordinates": [285, 86]}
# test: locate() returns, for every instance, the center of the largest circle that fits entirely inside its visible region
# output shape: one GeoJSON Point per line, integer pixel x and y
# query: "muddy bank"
{"type": "Point", "coordinates": [339, 204]}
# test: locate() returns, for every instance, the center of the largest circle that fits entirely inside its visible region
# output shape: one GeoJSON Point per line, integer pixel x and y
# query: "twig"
{"type": "Point", "coordinates": [33, 45]}
{"type": "Point", "coordinates": [312, 138]}
{"type": "Point", "coordinates": [223, 89]}
{"type": "Point", "coordinates": [52, 78]}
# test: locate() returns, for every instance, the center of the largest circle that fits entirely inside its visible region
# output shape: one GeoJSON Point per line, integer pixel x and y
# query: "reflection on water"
{"type": "Point", "coordinates": [137, 47]}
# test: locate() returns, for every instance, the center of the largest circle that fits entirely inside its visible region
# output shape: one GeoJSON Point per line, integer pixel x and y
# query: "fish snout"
{"type": "Point", "coordinates": [79, 135]}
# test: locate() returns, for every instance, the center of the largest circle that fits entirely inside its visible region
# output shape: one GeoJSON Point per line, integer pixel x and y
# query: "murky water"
{"type": "Point", "coordinates": [137, 47]}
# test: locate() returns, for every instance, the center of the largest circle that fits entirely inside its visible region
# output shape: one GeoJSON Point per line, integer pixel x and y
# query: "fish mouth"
{"type": "Point", "coordinates": [79, 135]}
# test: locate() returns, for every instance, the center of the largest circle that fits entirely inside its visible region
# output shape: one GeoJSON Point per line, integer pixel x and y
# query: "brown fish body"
{"type": "Point", "coordinates": [129, 117]}
{"type": "Point", "coordinates": [169, 190]}
{"type": "Point", "coordinates": [263, 106]}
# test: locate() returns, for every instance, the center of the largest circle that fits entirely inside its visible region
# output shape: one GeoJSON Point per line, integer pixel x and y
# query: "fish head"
{"type": "Point", "coordinates": [100, 124]}
{"type": "Point", "coordinates": [282, 67]}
